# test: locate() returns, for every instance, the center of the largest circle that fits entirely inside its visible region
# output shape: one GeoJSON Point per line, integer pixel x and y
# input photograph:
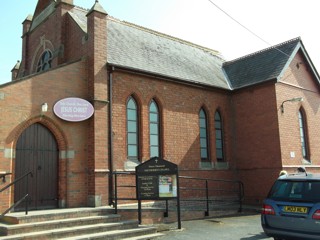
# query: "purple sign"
{"type": "Point", "coordinates": [73, 109]}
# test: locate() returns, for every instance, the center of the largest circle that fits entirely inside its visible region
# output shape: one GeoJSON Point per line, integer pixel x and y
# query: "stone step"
{"type": "Point", "coordinates": [113, 229]}
{"type": "Point", "coordinates": [55, 224]}
{"type": "Point", "coordinates": [49, 215]}
{"type": "Point", "coordinates": [80, 223]}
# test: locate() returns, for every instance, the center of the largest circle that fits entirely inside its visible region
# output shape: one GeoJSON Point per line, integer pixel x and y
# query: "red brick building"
{"type": "Point", "coordinates": [153, 95]}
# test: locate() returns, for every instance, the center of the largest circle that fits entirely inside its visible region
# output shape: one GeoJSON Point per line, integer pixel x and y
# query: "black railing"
{"type": "Point", "coordinates": [115, 198]}
{"type": "Point", "coordinates": [204, 190]}
{"type": "Point", "coordinates": [213, 191]}
{"type": "Point", "coordinates": [24, 198]}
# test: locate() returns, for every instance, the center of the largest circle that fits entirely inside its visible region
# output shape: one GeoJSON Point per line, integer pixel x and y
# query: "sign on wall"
{"type": "Point", "coordinates": [73, 109]}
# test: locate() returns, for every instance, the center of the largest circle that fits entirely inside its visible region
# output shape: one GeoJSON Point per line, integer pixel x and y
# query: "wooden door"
{"type": "Point", "coordinates": [37, 151]}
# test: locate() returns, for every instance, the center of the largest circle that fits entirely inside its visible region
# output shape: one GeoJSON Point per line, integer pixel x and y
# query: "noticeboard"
{"type": "Point", "coordinates": [157, 179]}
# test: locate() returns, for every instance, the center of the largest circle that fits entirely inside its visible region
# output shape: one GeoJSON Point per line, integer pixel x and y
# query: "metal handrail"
{"type": "Point", "coordinates": [23, 198]}
{"type": "Point", "coordinates": [239, 191]}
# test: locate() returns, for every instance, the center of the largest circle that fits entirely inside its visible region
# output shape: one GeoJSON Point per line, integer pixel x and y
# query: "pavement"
{"type": "Point", "coordinates": [243, 226]}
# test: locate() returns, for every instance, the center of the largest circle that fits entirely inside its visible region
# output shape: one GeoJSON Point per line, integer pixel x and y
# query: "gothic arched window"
{"type": "Point", "coordinates": [45, 61]}
{"type": "Point", "coordinates": [132, 129]}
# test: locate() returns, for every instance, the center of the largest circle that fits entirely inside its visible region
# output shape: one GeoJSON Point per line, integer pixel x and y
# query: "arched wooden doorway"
{"type": "Point", "coordinates": [37, 151]}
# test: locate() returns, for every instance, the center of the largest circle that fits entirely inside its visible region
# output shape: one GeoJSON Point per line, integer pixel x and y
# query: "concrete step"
{"type": "Point", "coordinates": [81, 223]}
{"type": "Point", "coordinates": [63, 233]}
{"type": "Point", "coordinates": [56, 224]}
{"type": "Point", "coordinates": [55, 214]}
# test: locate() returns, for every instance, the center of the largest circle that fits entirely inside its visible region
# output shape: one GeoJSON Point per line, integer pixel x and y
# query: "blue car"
{"type": "Point", "coordinates": [292, 208]}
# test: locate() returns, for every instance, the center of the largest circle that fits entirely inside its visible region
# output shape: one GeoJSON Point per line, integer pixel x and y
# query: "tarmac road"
{"type": "Point", "coordinates": [240, 227]}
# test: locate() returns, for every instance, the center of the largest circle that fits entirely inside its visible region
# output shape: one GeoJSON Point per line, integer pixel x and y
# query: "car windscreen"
{"type": "Point", "coordinates": [295, 190]}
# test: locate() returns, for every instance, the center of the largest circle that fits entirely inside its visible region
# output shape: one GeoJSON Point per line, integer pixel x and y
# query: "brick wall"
{"type": "Point", "coordinates": [298, 81]}
{"type": "Point", "coordinates": [256, 139]}
{"type": "Point", "coordinates": [179, 107]}
{"type": "Point", "coordinates": [20, 106]}
{"type": "Point", "coordinates": [66, 42]}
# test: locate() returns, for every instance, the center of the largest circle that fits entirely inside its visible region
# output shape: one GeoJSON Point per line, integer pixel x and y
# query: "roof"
{"type": "Point", "coordinates": [261, 66]}
{"type": "Point", "coordinates": [141, 49]}
{"type": "Point", "coordinates": [137, 48]}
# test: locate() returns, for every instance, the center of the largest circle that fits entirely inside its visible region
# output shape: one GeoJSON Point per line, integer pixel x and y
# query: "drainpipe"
{"type": "Point", "coordinates": [110, 139]}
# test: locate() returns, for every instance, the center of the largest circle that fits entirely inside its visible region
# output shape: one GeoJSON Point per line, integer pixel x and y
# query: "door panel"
{"type": "Point", "coordinates": [37, 152]}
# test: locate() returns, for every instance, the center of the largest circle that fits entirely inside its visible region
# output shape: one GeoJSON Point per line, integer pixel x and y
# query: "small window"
{"type": "Point", "coordinates": [154, 129]}
{"type": "Point", "coordinates": [303, 134]}
{"type": "Point", "coordinates": [45, 61]}
{"type": "Point", "coordinates": [132, 129]}
{"type": "Point", "coordinates": [204, 153]}
{"type": "Point", "coordinates": [219, 136]}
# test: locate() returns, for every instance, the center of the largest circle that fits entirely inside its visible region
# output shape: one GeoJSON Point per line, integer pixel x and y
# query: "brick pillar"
{"type": "Point", "coordinates": [98, 90]}
{"type": "Point", "coordinates": [25, 54]}
{"type": "Point", "coordinates": [15, 71]}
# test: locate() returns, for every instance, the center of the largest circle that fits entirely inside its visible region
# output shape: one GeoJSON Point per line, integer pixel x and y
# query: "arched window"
{"type": "Point", "coordinates": [44, 61]}
{"type": "Point", "coordinates": [303, 134]}
{"type": "Point", "coordinates": [132, 129]}
{"type": "Point", "coordinates": [203, 123]}
{"type": "Point", "coordinates": [219, 136]}
{"type": "Point", "coordinates": [154, 129]}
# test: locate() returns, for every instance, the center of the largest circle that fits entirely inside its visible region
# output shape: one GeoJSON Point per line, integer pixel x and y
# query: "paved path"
{"type": "Point", "coordinates": [242, 227]}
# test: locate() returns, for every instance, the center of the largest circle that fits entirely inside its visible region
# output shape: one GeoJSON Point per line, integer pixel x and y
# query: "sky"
{"type": "Point", "coordinates": [235, 28]}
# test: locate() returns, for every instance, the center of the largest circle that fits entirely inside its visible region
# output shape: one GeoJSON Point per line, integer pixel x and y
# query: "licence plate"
{"type": "Point", "coordinates": [294, 209]}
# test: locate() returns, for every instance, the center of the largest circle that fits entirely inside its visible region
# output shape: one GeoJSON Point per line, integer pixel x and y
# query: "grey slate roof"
{"type": "Point", "coordinates": [137, 48]}
{"type": "Point", "coordinates": [261, 66]}
{"type": "Point", "coordinates": [141, 49]}
{"type": "Point", "coordinates": [79, 18]}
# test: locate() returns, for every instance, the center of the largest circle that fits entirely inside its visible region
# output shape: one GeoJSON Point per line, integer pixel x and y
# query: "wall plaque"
{"type": "Point", "coordinates": [73, 109]}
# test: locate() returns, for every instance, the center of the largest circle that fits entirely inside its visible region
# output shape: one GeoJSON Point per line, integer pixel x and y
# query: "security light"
{"type": "Point", "coordinates": [44, 107]}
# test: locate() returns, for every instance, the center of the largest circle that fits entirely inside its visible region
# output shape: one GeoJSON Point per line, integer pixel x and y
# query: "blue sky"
{"type": "Point", "coordinates": [197, 21]}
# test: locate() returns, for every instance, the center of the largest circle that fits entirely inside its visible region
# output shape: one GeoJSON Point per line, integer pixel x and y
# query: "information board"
{"type": "Point", "coordinates": [157, 179]}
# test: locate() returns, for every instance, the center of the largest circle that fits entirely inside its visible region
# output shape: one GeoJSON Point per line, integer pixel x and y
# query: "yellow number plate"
{"type": "Point", "coordinates": [294, 209]}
